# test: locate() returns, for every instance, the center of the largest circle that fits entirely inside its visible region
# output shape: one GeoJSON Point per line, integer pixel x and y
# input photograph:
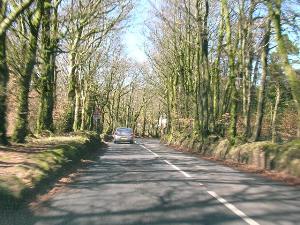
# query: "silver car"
{"type": "Point", "coordinates": [123, 134]}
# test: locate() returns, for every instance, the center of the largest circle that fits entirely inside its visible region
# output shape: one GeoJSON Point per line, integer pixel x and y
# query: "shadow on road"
{"type": "Point", "coordinates": [22, 214]}
{"type": "Point", "coordinates": [126, 185]}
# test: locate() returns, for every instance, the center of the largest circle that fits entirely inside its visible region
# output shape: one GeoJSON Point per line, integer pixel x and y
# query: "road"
{"type": "Point", "coordinates": [149, 183]}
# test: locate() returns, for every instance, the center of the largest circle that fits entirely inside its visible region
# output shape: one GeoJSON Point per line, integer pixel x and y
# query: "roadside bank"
{"type": "Point", "coordinates": [24, 169]}
{"type": "Point", "coordinates": [279, 161]}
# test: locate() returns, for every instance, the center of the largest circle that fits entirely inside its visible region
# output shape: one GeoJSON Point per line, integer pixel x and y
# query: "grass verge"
{"type": "Point", "coordinates": [25, 168]}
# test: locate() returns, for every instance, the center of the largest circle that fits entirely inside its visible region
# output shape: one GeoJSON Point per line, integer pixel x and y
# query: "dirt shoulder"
{"type": "Point", "coordinates": [24, 168]}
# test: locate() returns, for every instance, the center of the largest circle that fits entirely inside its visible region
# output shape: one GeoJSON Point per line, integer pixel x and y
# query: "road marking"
{"type": "Point", "coordinates": [232, 208]}
{"type": "Point", "coordinates": [166, 161]}
{"type": "Point", "coordinates": [150, 151]}
{"type": "Point", "coordinates": [228, 205]}
{"type": "Point", "coordinates": [177, 168]}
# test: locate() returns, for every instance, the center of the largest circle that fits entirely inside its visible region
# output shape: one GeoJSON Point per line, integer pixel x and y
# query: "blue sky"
{"type": "Point", "coordinates": [134, 39]}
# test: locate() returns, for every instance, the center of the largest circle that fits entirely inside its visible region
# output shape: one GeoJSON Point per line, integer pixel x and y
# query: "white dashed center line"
{"type": "Point", "coordinates": [228, 205]}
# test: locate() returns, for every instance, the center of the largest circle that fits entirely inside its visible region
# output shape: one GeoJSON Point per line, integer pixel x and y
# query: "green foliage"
{"type": "Point", "coordinates": [285, 157]}
{"type": "Point", "coordinates": [21, 131]}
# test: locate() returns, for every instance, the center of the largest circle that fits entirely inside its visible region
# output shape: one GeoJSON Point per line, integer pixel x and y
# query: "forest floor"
{"type": "Point", "coordinates": [25, 167]}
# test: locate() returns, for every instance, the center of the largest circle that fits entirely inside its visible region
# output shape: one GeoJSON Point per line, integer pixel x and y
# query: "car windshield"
{"type": "Point", "coordinates": [124, 130]}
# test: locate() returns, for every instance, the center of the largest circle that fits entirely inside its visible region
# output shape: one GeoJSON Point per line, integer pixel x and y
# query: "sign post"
{"type": "Point", "coordinates": [96, 118]}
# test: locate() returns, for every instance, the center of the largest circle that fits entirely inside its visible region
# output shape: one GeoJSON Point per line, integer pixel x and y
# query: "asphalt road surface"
{"type": "Point", "coordinates": [149, 183]}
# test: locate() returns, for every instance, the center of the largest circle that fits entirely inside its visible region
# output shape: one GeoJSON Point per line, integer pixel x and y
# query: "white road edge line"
{"type": "Point", "coordinates": [232, 208]}
{"type": "Point", "coordinates": [149, 150]}
{"type": "Point", "coordinates": [228, 205]}
{"type": "Point", "coordinates": [177, 168]}
{"type": "Point", "coordinates": [166, 161]}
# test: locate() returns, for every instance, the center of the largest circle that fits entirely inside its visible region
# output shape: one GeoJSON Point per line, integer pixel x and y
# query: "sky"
{"type": "Point", "coordinates": [134, 38]}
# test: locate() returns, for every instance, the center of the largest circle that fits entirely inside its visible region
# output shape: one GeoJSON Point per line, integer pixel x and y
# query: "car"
{"type": "Point", "coordinates": [124, 134]}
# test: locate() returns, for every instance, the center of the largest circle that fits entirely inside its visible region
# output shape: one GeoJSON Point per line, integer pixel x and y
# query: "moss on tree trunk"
{"type": "Point", "coordinates": [232, 75]}
{"type": "Point", "coordinates": [293, 79]}
{"type": "Point", "coordinates": [45, 117]}
{"type": "Point", "coordinates": [21, 127]}
{"type": "Point", "coordinates": [3, 86]}
{"type": "Point", "coordinates": [262, 91]}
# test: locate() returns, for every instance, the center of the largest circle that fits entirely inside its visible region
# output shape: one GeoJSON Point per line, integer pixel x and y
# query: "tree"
{"type": "Point", "coordinates": [211, 65]}
{"type": "Point", "coordinates": [294, 81]}
{"type": "Point", "coordinates": [27, 67]}
{"type": "Point", "coordinates": [6, 20]}
{"type": "Point", "coordinates": [47, 79]}
{"type": "Point", "coordinates": [265, 72]}
{"type": "Point", "coordinates": [89, 24]}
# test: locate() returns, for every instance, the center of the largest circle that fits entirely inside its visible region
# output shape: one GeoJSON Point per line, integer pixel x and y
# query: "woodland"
{"type": "Point", "coordinates": [215, 68]}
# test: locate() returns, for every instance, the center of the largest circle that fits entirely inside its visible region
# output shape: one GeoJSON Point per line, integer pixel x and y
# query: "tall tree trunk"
{"type": "Point", "coordinates": [144, 123]}
{"type": "Point", "coordinates": [6, 21]}
{"type": "Point", "coordinates": [72, 82]}
{"type": "Point", "coordinates": [21, 126]}
{"type": "Point", "coordinates": [247, 88]}
{"type": "Point", "coordinates": [216, 101]}
{"type": "Point", "coordinates": [76, 122]}
{"type": "Point", "coordinates": [3, 86]}
{"type": "Point", "coordinates": [251, 96]}
{"type": "Point", "coordinates": [207, 75]}
{"type": "Point", "coordinates": [199, 118]}
{"type": "Point", "coordinates": [261, 99]}
{"type": "Point", "coordinates": [294, 81]}
{"type": "Point", "coordinates": [232, 76]}
{"type": "Point", "coordinates": [169, 116]}
{"type": "Point", "coordinates": [69, 120]}
{"type": "Point", "coordinates": [4, 76]}
{"type": "Point", "coordinates": [275, 112]}
{"type": "Point", "coordinates": [84, 104]}
{"type": "Point", "coordinates": [247, 78]}
{"type": "Point", "coordinates": [46, 105]}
